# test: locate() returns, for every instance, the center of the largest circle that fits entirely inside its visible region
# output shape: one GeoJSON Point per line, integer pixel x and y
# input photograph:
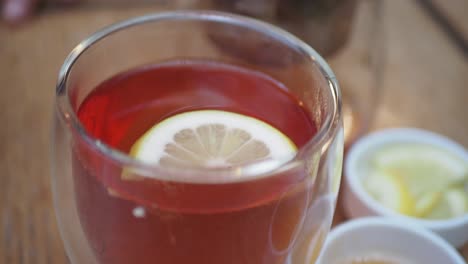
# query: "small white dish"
{"type": "Point", "coordinates": [386, 237]}
{"type": "Point", "coordinates": [358, 203]}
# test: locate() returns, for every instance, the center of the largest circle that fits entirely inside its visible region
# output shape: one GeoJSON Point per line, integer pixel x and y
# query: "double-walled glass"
{"type": "Point", "coordinates": [350, 34]}
{"type": "Point", "coordinates": [271, 211]}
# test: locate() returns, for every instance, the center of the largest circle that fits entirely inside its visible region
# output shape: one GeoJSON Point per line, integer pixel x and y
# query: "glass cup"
{"type": "Point", "coordinates": [175, 215]}
{"type": "Point", "coordinates": [348, 33]}
{"type": "Point", "coordinates": [359, 67]}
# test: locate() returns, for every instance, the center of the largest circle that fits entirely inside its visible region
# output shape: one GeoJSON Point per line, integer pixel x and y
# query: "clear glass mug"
{"type": "Point", "coordinates": [98, 226]}
{"type": "Point", "coordinates": [348, 33]}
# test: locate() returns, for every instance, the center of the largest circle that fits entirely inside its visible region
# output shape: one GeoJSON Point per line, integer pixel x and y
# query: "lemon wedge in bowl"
{"type": "Point", "coordinates": [389, 190]}
{"type": "Point", "coordinates": [423, 168]}
{"type": "Point", "coordinates": [453, 203]}
{"type": "Point", "coordinates": [428, 174]}
{"type": "Point", "coordinates": [426, 203]}
{"type": "Point", "coordinates": [432, 168]}
{"type": "Point", "coordinates": [211, 139]}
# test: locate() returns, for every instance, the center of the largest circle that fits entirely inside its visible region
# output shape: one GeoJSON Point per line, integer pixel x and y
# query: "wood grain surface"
{"type": "Point", "coordinates": [425, 86]}
{"type": "Point", "coordinates": [455, 11]}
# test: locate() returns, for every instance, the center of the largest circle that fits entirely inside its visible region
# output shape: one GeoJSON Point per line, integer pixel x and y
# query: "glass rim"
{"type": "Point", "coordinates": [248, 171]}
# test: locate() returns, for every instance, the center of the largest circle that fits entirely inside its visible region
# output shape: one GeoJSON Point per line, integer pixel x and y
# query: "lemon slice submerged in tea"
{"type": "Point", "coordinates": [211, 139]}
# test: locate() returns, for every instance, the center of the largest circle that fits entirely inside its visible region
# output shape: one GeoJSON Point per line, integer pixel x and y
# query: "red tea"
{"type": "Point", "coordinates": [169, 222]}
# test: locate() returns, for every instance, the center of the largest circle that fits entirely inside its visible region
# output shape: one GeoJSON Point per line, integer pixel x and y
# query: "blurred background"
{"type": "Point", "coordinates": [401, 63]}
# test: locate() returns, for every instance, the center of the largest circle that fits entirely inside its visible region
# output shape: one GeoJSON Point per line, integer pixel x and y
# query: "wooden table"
{"type": "Point", "coordinates": [426, 80]}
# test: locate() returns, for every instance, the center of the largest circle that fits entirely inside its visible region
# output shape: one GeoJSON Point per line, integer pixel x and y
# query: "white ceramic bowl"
{"type": "Point", "coordinates": [358, 203]}
{"type": "Point", "coordinates": [387, 237]}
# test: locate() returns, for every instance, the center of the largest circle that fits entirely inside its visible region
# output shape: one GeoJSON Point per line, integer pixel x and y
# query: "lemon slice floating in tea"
{"type": "Point", "coordinates": [211, 139]}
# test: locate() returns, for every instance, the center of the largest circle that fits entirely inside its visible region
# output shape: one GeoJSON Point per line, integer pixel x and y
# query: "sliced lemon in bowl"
{"type": "Point", "coordinates": [211, 139]}
{"type": "Point", "coordinates": [429, 175]}
{"type": "Point", "coordinates": [389, 190]}
{"type": "Point", "coordinates": [425, 169]}
{"type": "Point", "coordinates": [426, 203]}
{"type": "Point", "coordinates": [453, 203]}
